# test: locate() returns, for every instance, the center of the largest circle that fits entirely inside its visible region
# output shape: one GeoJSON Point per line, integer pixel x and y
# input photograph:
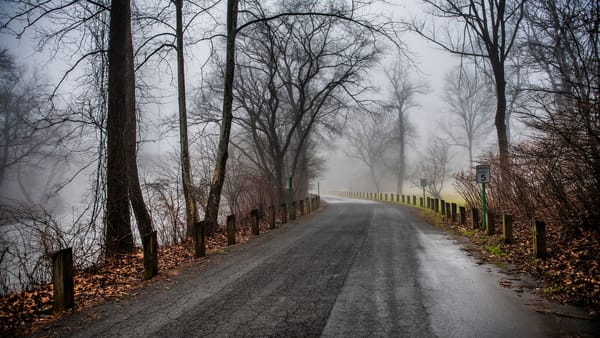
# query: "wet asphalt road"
{"type": "Point", "coordinates": [354, 269]}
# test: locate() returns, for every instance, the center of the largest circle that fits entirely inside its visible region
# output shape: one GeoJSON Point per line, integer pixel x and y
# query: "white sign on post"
{"type": "Point", "coordinates": [483, 173]}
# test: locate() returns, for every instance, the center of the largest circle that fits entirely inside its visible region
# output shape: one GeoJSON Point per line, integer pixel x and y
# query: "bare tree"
{"type": "Point", "coordinates": [468, 99]}
{"type": "Point", "coordinates": [286, 93]}
{"type": "Point", "coordinates": [158, 45]}
{"type": "Point", "coordinates": [489, 30]}
{"type": "Point", "coordinates": [434, 166]}
{"type": "Point", "coordinates": [23, 132]}
{"type": "Point", "coordinates": [403, 92]}
{"type": "Point", "coordinates": [368, 139]}
{"type": "Point", "coordinates": [344, 12]}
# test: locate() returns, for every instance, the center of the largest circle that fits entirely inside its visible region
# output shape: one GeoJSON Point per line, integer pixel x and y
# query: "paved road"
{"type": "Point", "coordinates": [356, 268]}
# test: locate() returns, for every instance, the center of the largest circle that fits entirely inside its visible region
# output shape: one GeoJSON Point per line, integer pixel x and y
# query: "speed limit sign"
{"type": "Point", "coordinates": [483, 173]}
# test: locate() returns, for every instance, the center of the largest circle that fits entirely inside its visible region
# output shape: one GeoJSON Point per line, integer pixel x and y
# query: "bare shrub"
{"type": "Point", "coordinates": [29, 235]}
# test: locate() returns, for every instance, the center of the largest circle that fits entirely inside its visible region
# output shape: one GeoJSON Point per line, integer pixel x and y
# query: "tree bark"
{"type": "Point", "coordinates": [191, 212]}
{"type": "Point", "coordinates": [500, 120]}
{"type": "Point", "coordinates": [214, 196]}
{"type": "Point", "coordinates": [119, 238]}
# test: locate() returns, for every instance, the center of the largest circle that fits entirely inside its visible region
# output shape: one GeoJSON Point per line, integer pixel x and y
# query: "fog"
{"type": "Point", "coordinates": [340, 172]}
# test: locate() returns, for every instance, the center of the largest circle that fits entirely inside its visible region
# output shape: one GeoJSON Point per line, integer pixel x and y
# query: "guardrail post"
{"type": "Point", "coordinates": [475, 218]}
{"type": "Point", "coordinates": [463, 215]}
{"type": "Point", "coordinates": [62, 278]}
{"type": "Point", "coordinates": [507, 230]}
{"type": "Point", "coordinates": [283, 213]}
{"type": "Point", "coordinates": [199, 245]}
{"type": "Point", "coordinates": [491, 223]}
{"type": "Point", "coordinates": [150, 245]}
{"type": "Point", "coordinates": [539, 239]}
{"type": "Point", "coordinates": [293, 211]}
{"type": "Point", "coordinates": [254, 220]}
{"type": "Point", "coordinates": [453, 209]}
{"type": "Point", "coordinates": [231, 240]}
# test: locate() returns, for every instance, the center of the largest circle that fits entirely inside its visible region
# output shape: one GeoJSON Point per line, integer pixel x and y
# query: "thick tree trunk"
{"type": "Point", "coordinates": [216, 187]}
{"type": "Point", "coordinates": [119, 239]}
{"type": "Point", "coordinates": [500, 119]}
{"type": "Point", "coordinates": [191, 212]}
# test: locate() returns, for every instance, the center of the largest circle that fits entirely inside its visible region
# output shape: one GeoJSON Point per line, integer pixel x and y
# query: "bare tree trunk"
{"type": "Point", "coordinates": [191, 212]}
{"type": "Point", "coordinates": [214, 196]}
{"type": "Point", "coordinates": [136, 197]}
{"type": "Point", "coordinates": [500, 119]}
{"type": "Point", "coordinates": [119, 239]}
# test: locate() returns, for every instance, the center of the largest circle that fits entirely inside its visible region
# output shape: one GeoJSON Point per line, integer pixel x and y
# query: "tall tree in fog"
{"type": "Point", "coordinates": [216, 186]}
{"type": "Point", "coordinates": [73, 19]}
{"type": "Point", "coordinates": [368, 137]}
{"type": "Point", "coordinates": [160, 38]}
{"type": "Point", "coordinates": [434, 166]}
{"type": "Point", "coordinates": [23, 134]}
{"type": "Point", "coordinates": [403, 92]}
{"type": "Point", "coordinates": [123, 186]}
{"type": "Point", "coordinates": [468, 99]}
{"type": "Point", "coordinates": [487, 30]}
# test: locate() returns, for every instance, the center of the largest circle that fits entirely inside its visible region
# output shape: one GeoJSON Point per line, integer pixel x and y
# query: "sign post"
{"type": "Point", "coordinates": [483, 175]}
{"type": "Point", "coordinates": [423, 185]}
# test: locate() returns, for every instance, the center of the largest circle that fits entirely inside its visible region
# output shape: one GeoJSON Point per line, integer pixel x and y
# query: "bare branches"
{"type": "Point", "coordinates": [296, 76]}
{"type": "Point", "coordinates": [489, 31]}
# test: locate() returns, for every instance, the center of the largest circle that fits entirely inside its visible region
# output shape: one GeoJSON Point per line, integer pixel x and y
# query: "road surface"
{"type": "Point", "coordinates": [354, 269]}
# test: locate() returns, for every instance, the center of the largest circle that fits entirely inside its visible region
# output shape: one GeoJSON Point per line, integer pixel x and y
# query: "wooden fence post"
{"type": "Point", "coordinates": [448, 212]}
{"type": "Point", "coordinates": [491, 223]}
{"type": "Point", "coordinates": [414, 200]}
{"type": "Point", "coordinates": [283, 213]}
{"type": "Point", "coordinates": [429, 203]}
{"type": "Point", "coordinates": [539, 239]}
{"type": "Point", "coordinates": [308, 206]}
{"type": "Point", "coordinates": [293, 211]}
{"type": "Point", "coordinates": [453, 209]}
{"type": "Point", "coordinates": [463, 215]}
{"type": "Point", "coordinates": [231, 230]}
{"type": "Point", "coordinates": [437, 205]}
{"type": "Point", "coordinates": [507, 231]}
{"type": "Point", "coordinates": [421, 202]}
{"type": "Point", "coordinates": [475, 218]}
{"type": "Point", "coordinates": [199, 245]}
{"type": "Point", "coordinates": [271, 211]}
{"type": "Point", "coordinates": [62, 278]}
{"type": "Point", "coordinates": [301, 202]}
{"type": "Point", "coordinates": [254, 220]}
{"type": "Point", "coordinates": [403, 199]}
{"type": "Point", "coordinates": [150, 245]}
{"type": "Point", "coordinates": [443, 205]}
